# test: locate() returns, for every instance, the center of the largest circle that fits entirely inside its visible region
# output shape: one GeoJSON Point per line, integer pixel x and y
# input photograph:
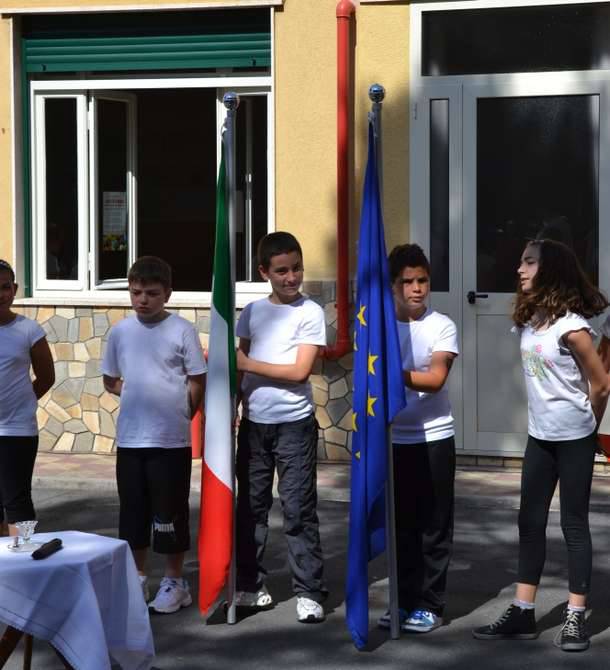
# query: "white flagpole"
{"type": "Point", "coordinates": [231, 102]}
{"type": "Point", "coordinates": [376, 95]}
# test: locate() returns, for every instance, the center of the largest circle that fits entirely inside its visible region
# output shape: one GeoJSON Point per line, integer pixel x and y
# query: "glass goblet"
{"type": "Point", "coordinates": [26, 530]}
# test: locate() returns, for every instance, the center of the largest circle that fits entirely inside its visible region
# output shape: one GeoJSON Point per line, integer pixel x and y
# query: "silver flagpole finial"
{"type": "Point", "coordinates": [231, 100]}
{"type": "Point", "coordinates": [376, 92]}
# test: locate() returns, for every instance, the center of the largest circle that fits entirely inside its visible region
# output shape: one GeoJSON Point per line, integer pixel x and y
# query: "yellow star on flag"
{"type": "Point", "coordinates": [372, 359]}
{"type": "Point", "coordinates": [360, 316]}
{"type": "Point", "coordinates": [370, 401]}
{"type": "Point", "coordinates": [354, 424]}
{"type": "Point", "coordinates": [357, 455]}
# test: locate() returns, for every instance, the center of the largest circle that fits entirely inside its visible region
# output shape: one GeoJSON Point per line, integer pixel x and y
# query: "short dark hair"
{"type": "Point", "coordinates": [6, 266]}
{"type": "Point", "coordinates": [274, 244]}
{"type": "Point", "coordinates": [407, 256]}
{"type": "Point", "coordinates": [149, 270]}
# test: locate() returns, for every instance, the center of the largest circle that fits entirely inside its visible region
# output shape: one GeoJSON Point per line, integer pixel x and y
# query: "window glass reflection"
{"type": "Point", "coordinates": [439, 194]}
{"type": "Point", "coordinates": [516, 39]}
{"type": "Point", "coordinates": [61, 189]}
{"type": "Point", "coordinates": [537, 176]}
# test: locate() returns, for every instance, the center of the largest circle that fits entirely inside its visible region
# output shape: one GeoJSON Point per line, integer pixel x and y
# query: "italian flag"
{"type": "Point", "coordinates": [216, 518]}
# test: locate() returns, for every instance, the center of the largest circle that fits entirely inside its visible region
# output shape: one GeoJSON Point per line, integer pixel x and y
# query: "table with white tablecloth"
{"type": "Point", "coordinates": [86, 600]}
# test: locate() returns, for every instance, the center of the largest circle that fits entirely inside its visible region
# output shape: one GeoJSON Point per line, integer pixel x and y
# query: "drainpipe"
{"type": "Point", "coordinates": [343, 344]}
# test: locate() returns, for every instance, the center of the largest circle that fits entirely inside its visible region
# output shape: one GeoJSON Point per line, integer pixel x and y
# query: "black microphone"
{"type": "Point", "coordinates": [47, 549]}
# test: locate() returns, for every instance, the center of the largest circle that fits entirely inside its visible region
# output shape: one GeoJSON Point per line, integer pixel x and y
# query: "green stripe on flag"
{"type": "Point", "coordinates": [222, 288]}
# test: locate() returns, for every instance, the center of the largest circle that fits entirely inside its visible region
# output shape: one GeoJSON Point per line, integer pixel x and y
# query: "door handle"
{"type": "Point", "coordinates": [471, 296]}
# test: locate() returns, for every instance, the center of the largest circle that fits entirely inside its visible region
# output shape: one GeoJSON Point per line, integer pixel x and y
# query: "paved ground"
{"type": "Point", "coordinates": [481, 579]}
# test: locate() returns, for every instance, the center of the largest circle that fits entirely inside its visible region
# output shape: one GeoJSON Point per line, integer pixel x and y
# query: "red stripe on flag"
{"type": "Point", "coordinates": [215, 538]}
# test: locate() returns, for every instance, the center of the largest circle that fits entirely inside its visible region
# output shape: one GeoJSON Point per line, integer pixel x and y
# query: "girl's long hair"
{"type": "Point", "coordinates": [559, 286]}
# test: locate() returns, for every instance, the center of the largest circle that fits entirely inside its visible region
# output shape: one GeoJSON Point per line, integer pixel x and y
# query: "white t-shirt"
{"type": "Point", "coordinates": [17, 398]}
{"type": "Point", "coordinates": [427, 416]}
{"type": "Point", "coordinates": [557, 390]}
{"type": "Point", "coordinates": [275, 333]}
{"type": "Point", "coordinates": [154, 360]}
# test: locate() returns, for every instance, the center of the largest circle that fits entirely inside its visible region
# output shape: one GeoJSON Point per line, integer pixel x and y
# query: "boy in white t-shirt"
{"type": "Point", "coordinates": [424, 448]}
{"type": "Point", "coordinates": [280, 338]}
{"type": "Point", "coordinates": [155, 363]}
{"type": "Point", "coordinates": [23, 347]}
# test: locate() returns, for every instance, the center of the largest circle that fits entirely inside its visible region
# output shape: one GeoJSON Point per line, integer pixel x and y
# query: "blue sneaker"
{"type": "Point", "coordinates": [422, 621]}
{"type": "Point", "coordinates": [385, 623]}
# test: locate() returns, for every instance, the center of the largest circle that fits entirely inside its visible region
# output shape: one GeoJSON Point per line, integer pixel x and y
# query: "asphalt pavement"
{"type": "Point", "coordinates": [481, 584]}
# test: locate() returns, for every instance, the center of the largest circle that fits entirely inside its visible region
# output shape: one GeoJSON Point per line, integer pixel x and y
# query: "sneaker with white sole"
{"type": "Point", "coordinates": [260, 598]}
{"type": "Point", "coordinates": [422, 621]}
{"type": "Point", "coordinates": [309, 611]}
{"type": "Point", "coordinates": [573, 635]}
{"type": "Point", "coordinates": [515, 623]}
{"type": "Point", "coordinates": [171, 596]}
{"type": "Point", "coordinates": [385, 622]}
{"type": "Point", "coordinates": [144, 586]}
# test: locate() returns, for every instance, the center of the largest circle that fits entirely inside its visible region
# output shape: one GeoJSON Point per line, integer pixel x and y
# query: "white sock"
{"type": "Point", "coordinates": [576, 608]}
{"type": "Point", "coordinates": [523, 604]}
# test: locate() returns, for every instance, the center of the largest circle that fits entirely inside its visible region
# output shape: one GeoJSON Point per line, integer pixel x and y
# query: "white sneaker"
{"type": "Point", "coordinates": [260, 598]}
{"type": "Point", "coordinates": [145, 589]}
{"type": "Point", "coordinates": [171, 596]}
{"type": "Point", "coordinates": [309, 611]}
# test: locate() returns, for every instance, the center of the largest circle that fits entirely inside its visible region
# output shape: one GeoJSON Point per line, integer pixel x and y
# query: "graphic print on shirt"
{"type": "Point", "coordinates": [534, 363]}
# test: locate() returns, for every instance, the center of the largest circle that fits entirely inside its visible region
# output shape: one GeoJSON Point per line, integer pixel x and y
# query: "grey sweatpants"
{"type": "Point", "coordinates": [291, 448]}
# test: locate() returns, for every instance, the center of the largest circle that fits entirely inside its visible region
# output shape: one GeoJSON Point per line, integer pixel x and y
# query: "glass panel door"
{"type": "Point", "coordinates": [251, 182]}
{"type": "Point", "coordinates": [436, 210]}
{"type": "Point", "coordinates": [537, 176]}
{"type": "Point", "coordinates": [59, 202]}
{"type": "Point", "coordinates": [534, 155]}
{"type": "Point", "coordinates": [113, 183]}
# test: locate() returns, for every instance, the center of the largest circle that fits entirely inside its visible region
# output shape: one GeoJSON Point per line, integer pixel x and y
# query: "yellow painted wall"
{"type": "Point", "coordinates": [6, 184]}
{"type": "Point", "coordinates": [382, 56]}
{"type": "Point", "coordinates": [306, 135]}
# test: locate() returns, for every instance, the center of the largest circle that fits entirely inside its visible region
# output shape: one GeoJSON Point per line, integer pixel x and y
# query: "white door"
{"type": "Point", "coordinates": [436, 208]}
{"type": "Point", "coordinates": [113, 180]}
{"type": "Point", "coordinates": [531, 154]}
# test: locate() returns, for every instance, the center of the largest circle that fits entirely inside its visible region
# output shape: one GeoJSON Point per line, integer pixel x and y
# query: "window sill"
{"type": "Point", "coordinates": [121, 299]}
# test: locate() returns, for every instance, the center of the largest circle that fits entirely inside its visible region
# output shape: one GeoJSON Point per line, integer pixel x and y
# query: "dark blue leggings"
{"type": "Point", "coordinates": [17, 456]}
{"type": "Point", "coordinates": [570, 462]}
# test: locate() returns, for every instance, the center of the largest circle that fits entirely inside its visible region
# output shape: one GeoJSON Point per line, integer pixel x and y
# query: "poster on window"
{"type": "Point", "coordinates": [114, 220]}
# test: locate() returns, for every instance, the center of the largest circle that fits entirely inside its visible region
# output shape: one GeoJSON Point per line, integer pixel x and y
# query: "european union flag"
{"type": "Point", "coordinates": [378, 395]}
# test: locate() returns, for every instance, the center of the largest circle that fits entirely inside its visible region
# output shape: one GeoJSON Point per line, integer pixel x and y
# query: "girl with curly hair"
{"type": "Point", "coordinates": [567, 391]}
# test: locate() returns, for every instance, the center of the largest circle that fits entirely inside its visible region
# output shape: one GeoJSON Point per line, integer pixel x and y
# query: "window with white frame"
{"type": "Point", "coordinates": [124, 172]}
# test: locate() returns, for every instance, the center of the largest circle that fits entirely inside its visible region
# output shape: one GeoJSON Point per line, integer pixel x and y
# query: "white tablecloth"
{"type": "Point", "coordinates": [86, 600]}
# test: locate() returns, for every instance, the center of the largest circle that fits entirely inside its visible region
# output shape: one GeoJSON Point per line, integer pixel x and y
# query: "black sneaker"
{"type": "Point", "coordinates": [573, 634]}
{"type": "Point", "coordinates": [514, 624]}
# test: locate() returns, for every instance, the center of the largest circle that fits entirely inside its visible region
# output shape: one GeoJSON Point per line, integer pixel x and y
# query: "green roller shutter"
{"type": "Point", "coordinates": [148, 41]}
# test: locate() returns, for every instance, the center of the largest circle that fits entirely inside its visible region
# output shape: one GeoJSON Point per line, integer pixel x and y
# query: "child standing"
{"type": "Point", "coordinates": [22, 345]}
{"type": "Point", "coordinates": [280, 337]}
{"type": "Point", "coordinates": [154, 362]}
{"type": "Point", "coordinates": [424, 446]}
{"type": "Point", "coordinates": [567, 392]}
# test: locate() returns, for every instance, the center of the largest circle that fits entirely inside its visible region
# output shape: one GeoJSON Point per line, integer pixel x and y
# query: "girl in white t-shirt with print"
{"type": "Point", "coordinates": [22, 345]}
{"type": "Point", "coordinates": [567, 391]}
{"type": "Point", "coordinates": [423, 446]}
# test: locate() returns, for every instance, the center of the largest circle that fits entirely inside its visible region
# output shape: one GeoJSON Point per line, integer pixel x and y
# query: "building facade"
{"type": "Point", "coordinates": [110, 116]}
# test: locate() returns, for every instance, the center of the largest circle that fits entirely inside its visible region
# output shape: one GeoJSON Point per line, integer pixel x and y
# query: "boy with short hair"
{"type": "Point", "coordinates": [424, 447]}
{"type": "Point", "coordinates": [280, 338]}
{"type": "Point", "coordinates": [155, 363]}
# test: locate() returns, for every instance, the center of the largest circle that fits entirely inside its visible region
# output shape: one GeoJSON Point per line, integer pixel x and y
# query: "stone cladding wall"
{"type": "Point", "coordinates": [78, 415]}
